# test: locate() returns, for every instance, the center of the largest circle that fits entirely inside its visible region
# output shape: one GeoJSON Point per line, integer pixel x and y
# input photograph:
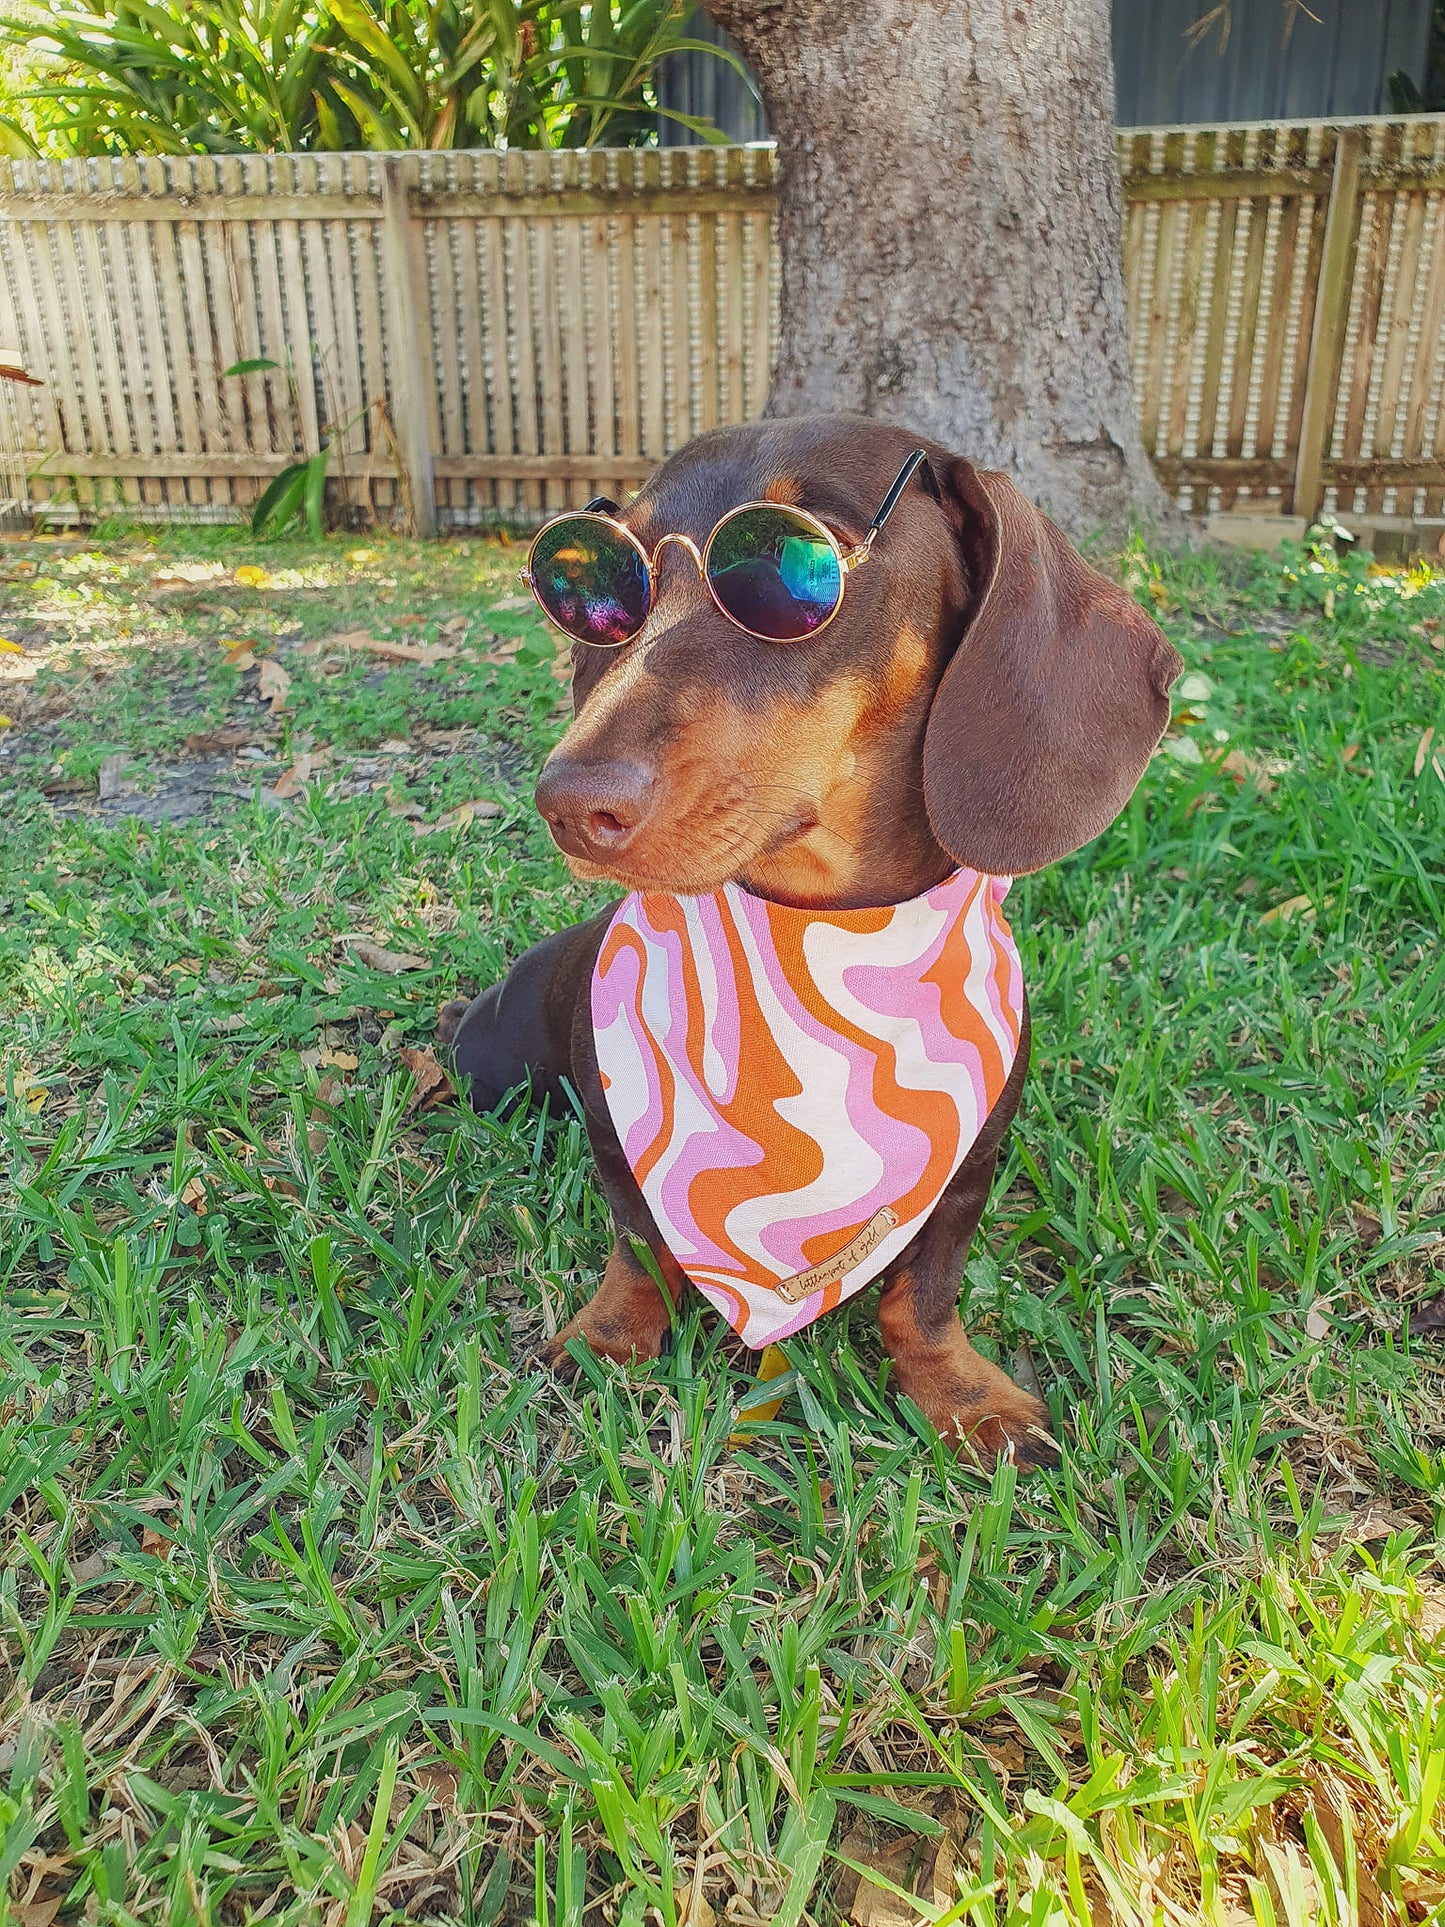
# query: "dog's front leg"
{"type": "Point", "coordinates": [627, 1317]}
{"type": "Point", "coordinates": [975, 1407]}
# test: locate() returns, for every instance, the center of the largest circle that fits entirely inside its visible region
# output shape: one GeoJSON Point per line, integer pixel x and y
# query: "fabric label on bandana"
{"type": "Point", "coordinates": [793, 1089]}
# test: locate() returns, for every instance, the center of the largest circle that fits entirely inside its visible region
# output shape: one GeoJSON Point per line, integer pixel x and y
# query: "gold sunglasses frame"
{"type": "Point", "coordinates": [848, 559]}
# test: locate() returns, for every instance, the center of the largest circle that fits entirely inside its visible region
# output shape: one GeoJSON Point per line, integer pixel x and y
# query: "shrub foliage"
{"type": "Point", "coordinates": [247, 76]}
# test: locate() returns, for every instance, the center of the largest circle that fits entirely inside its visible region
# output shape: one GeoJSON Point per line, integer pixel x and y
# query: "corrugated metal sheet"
{"type": "Point", "coordinates": [701, 85]}
{"type": "Point", "coordinates": [1277, 62]}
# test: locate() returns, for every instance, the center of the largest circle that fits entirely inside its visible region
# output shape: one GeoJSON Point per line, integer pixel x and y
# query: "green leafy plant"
{"type": "Point", "coordinates": [298, 493]}
{"type": "Point", "coordinates": [246, 76]}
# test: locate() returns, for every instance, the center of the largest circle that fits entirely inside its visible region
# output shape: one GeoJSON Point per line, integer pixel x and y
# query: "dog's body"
{"type": "Point", "coordinates": [982, 699]}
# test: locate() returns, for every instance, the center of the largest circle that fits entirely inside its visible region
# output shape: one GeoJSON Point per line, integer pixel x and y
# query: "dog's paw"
{"type": "Point", "coordinates": [983, 1415]}
{"type": "Point", "coordinates": [556, 1358]}
{"type": "Point", "coordinates": [630, 1341]}
{"type": "Point", "coordinates": [1021, 1431]}
{"type": "Point", "coordinates": [449, 1021]}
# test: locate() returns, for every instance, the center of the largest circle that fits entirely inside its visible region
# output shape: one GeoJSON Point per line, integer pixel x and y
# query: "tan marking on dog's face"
{"type": "Point", "coordinates": [912, 666]}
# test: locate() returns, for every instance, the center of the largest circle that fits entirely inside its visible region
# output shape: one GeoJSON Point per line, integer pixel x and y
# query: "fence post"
{"type": "Point", "coordinates": [1332, 307]}
{"type": "Point", "coordinates": [409, 372]}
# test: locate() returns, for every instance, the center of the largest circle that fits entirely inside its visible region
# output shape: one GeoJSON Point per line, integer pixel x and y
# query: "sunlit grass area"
{"type": "Point", "coordinates": [319, 1602]}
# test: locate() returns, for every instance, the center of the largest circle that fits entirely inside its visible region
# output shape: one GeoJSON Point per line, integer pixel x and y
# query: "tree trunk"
{"type": "Point", "coordinates": [950, 233]}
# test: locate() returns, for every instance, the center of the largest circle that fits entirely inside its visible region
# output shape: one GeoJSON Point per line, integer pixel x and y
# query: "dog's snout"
{"type": "Point", "coordinates": [595, 809]}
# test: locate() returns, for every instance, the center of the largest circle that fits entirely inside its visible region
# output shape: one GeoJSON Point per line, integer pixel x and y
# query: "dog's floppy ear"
{"type": "Point", "coordinates": [1057, 693]}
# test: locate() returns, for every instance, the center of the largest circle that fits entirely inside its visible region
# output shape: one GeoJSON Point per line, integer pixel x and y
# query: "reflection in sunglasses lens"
{"type": "Point", "coordinates": [590, 581]}
{"type": "Point", "coordinates": [775, 574]}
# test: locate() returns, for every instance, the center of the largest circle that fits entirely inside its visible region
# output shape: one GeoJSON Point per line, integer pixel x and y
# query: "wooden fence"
{"type": "Point", "coordinates": [487, 334]}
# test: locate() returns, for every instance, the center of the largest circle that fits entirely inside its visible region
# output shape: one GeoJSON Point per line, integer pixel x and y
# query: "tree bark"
{"type": "Point", "coordinates": [950, 233]}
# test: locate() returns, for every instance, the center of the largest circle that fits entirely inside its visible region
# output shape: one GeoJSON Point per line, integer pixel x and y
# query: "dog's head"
{"type": "Point", "coordinates": [983, 696]}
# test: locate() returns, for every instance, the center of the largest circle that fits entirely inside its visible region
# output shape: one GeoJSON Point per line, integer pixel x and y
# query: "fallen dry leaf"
{"type": "Point", "coordinates": [1379, 1522]}
{"type": "Point", "coordinates": [916, 1865]}
{"type": "Point", "coordinates": [403, 806]}
{"type": "Point", "coordinates": [1287, 911]}
{"type": "Point", "coordinates": [296, 778]}
{"type": "Point", "coordinates": [7, 722]}
{"type": "Point", "coordinates": [1316, 1324]}
{"type": "Point", "coordinates": [461, 817]}
{"type": "Point", "coordinates": [329, 1093]}
{"type": "Point", "coordinates": [1422, 748]}
{"type": "Point", "coordinates": [239, 655]}
{"type": "Point", "coordinates": [425, 653]}
{"type": "Point", "coordinates": [274, 685]}
{"type": "Point", "coordinates": [36, 1913]}
{"type": "Point", "coordinates": [29, 1090]}
{"type": "Point", "coordinates": [392, 963]}
{"type": "Point", "coordinates": [1429, 1316]}
{"type": "Point", "coordinates": [194, 1194]}
{"type": "Point", "coordinates": [10, 648]}
{"type": "Point", "coordinates": [176, 573]}
{"type": "Point", "coordinates": [252, 577]}
{"type": "Point", "coordinates": [455, 626]}
{"type": "Point", "coordinates": [111, 782]}
{"type": "Point", "coordinates": [503, 649]}
{"type": "Point", "coordinates": [348, 639]}
{"type": "Point", "coordinates": [211, 742]}
{"type": "Point", "coordinates": [156, 1543]}
{"type": "Point", "coordinates": [1368, 1228]}
{"type": "Point", "coordinates": [441, 1782]}
{"type": "Point", "coordinates": [1430, 1614]}
{"type": "Point", "coordinates": [341, 1060]}
{"type": "Point", "coordinates": [433, 1086]}
{"type": "Point", "coordinates": [1241, 768]}
{"type": "Point", "coordinates": [693, 1907]}
{"type": "Point", "coordinates": [1007, 1755]}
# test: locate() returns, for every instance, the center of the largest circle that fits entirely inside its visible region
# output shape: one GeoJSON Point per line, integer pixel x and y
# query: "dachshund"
{"type": "Point", "coordinates": [814, 745]}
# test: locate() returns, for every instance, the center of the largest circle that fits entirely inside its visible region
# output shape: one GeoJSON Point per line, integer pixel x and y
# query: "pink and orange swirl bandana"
{"type": "Point", "coordinates": [793, 1089]}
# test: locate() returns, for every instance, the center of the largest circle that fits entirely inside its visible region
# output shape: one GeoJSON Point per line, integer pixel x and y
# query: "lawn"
{"type": "Point", "coordinates": [319, 1602]}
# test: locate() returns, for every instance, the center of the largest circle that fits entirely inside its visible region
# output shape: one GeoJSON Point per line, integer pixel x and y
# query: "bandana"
{"type": "Point", "coordinates": [794, 1089]}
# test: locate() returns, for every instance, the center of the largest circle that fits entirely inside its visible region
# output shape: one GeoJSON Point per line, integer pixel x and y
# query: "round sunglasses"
{"type": "Point", "coordinates": [776, 572]}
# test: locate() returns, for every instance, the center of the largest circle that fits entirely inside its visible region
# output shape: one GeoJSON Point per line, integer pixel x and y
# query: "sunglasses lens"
{"type": "Point", "coordinates": [774, 573]}
{"type": "Point", "coordinates": [590, 581]}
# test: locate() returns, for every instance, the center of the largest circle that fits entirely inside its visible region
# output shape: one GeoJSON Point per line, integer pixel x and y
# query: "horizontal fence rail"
{"type": "Point", "coordinates": [1286, 290]}
{"type": "Point", "coordinates": [482, 334]}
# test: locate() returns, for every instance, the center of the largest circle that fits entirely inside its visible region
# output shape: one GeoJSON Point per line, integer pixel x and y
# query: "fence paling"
{"type": "Point", "coordinates": [538, 327]}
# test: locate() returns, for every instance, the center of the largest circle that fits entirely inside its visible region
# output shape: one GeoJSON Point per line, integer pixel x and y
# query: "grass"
{"type": "Point", "coordinates": [320, 1603]}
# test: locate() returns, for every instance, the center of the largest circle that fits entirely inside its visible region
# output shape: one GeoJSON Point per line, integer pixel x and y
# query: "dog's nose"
{"type": "Point", "coordinates": [595, 809]}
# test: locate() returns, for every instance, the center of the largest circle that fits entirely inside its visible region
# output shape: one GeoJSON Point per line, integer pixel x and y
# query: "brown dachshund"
{"type": "Point", "coordinates": [982, 699]}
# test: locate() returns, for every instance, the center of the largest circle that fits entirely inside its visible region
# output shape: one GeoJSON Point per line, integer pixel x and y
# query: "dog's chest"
{"type": "Point", "coordinates": [794, 1089]}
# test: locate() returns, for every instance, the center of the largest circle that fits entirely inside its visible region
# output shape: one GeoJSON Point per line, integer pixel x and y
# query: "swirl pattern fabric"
{"type": "Point", "coordinates": [794, 1089]}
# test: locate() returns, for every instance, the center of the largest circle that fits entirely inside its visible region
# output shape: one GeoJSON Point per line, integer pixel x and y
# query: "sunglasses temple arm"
{"type": "Point", "coordinates": [890, 500]}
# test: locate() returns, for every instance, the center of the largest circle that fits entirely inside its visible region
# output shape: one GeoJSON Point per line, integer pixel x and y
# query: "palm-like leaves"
{"type": "Point", "coordinates": [229, 76]}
